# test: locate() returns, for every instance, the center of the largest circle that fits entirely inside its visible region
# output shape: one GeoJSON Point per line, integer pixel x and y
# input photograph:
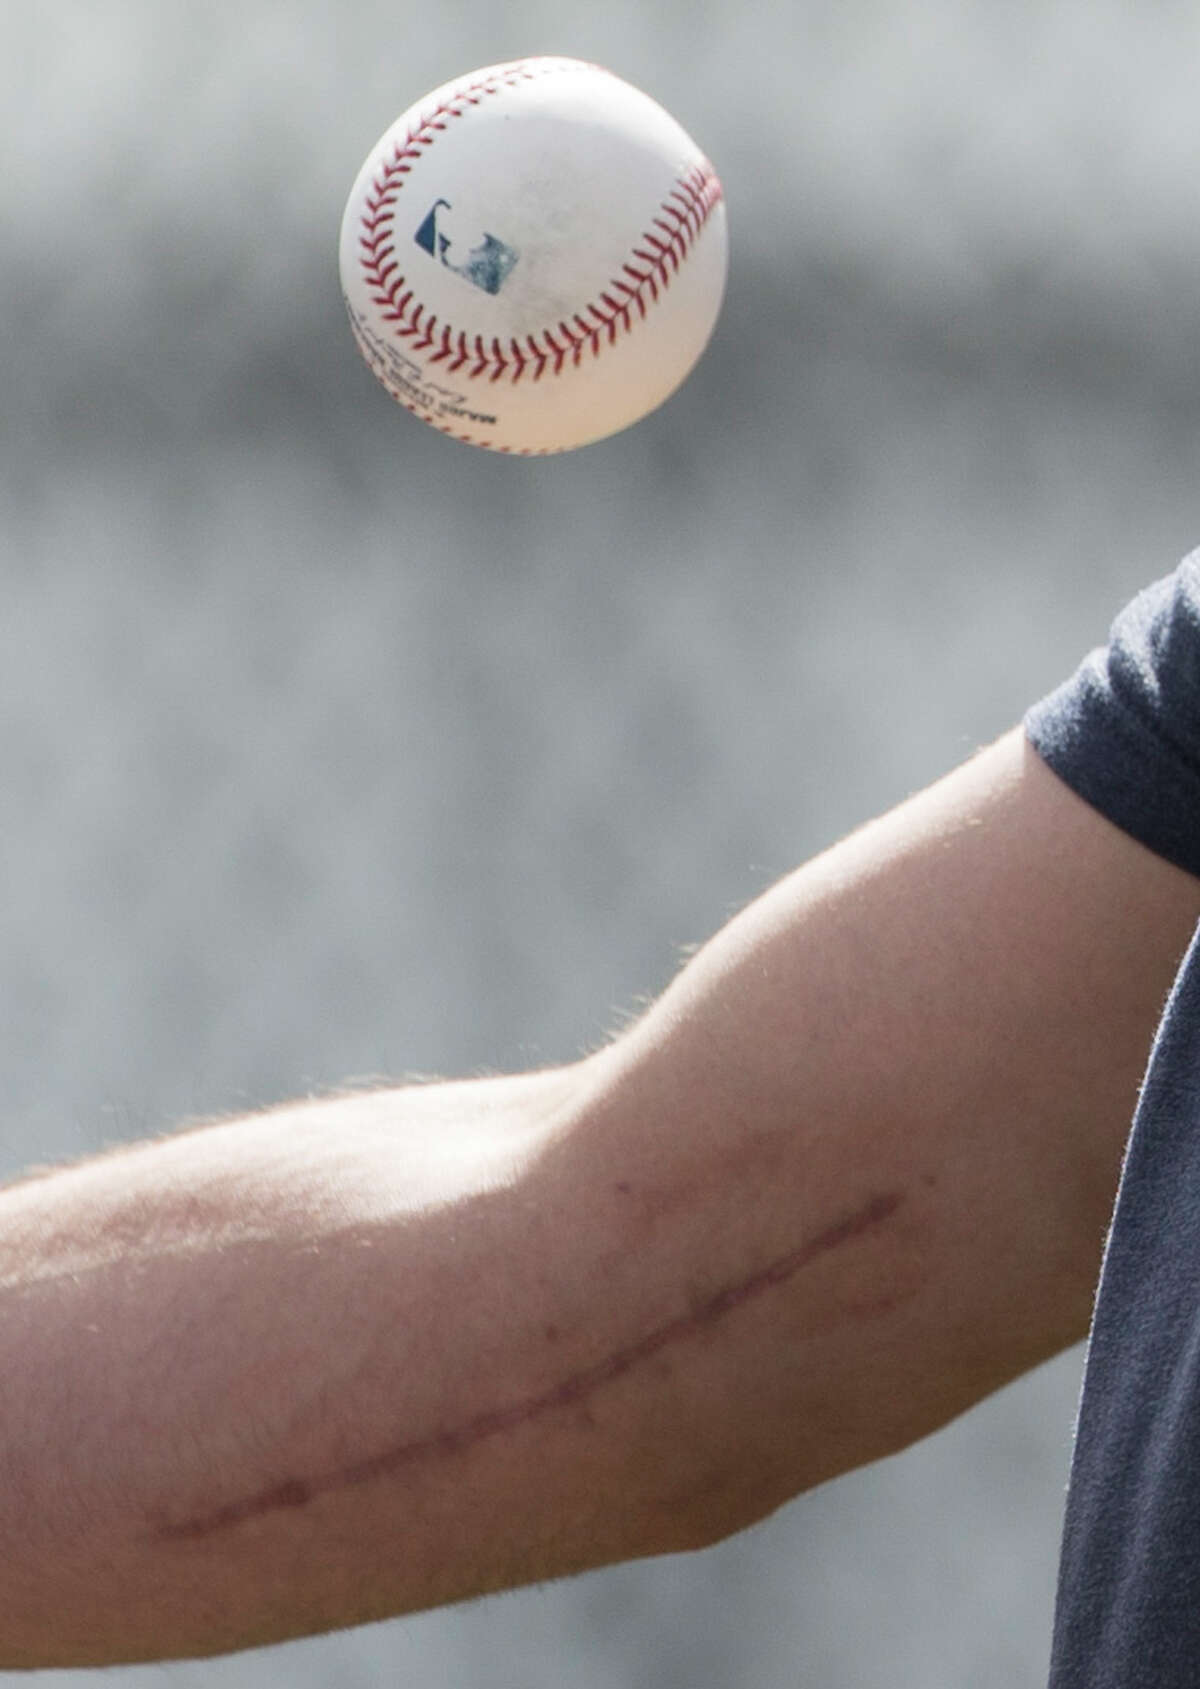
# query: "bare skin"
{"type": "Point", "coordinates": [366, 1355]}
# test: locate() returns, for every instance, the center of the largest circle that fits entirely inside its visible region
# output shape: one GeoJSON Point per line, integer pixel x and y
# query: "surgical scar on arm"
{"type": "Point", "coordinates": [297, 1492]}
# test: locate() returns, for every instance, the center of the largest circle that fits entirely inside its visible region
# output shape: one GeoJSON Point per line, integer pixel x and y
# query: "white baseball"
{"type": "Point", "coordinates": [534, 256]}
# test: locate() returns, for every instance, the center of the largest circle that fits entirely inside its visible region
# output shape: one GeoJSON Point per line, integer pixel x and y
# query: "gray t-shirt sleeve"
{"type": "Point", "coordinates": [1124, 731]}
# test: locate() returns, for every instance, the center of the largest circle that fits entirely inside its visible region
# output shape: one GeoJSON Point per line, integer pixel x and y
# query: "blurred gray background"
{"type": "Point", "coordinates": [330, 748]}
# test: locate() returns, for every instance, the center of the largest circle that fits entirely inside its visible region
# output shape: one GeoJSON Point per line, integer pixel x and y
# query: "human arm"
{"type": "Point", "coordinates": [367, 1355]}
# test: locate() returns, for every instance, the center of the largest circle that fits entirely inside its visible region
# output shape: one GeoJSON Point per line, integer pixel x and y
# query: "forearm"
{"type": "Point", "coordinates": [366, 1356]}
{"type": "Point", "coordinates": [356, 1358]}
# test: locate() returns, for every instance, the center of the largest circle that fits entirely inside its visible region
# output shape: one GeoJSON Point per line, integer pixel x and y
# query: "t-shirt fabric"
{"type": "Point", "coordinates": [1124, 733]}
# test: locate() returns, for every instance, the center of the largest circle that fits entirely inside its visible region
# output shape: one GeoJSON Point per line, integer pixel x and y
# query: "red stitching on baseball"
{"type": "Point", "coordinates": [660, 251]}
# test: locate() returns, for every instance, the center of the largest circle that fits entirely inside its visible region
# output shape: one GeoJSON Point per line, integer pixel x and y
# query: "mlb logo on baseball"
{"type": "Point", "coordinates": [485, 266]}
{"type": "Point", "coordinates": [534, 256]}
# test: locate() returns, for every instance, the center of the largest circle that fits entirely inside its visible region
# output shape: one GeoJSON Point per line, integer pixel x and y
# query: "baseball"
{"type": "Point", "coordinates": [533, 257]}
